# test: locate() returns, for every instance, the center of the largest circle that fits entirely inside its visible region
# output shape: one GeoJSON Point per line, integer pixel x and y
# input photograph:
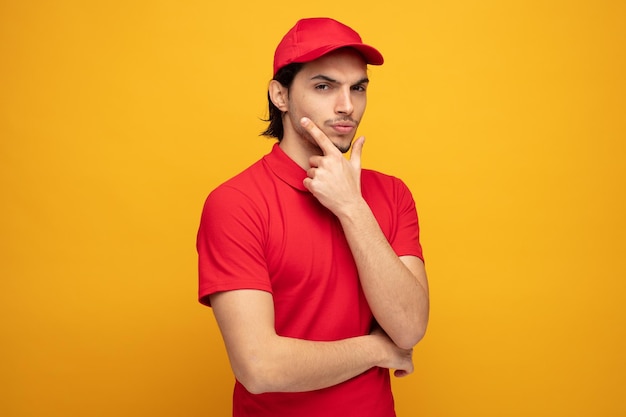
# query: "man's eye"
{"type": "Point", "coordinates": [358, 88]}
{"type": "Point", "coordinates": [322, 87]}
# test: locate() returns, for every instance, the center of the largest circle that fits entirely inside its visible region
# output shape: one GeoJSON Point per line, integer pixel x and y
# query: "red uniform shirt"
{"type": "Point", "coordinates": [263, 230]}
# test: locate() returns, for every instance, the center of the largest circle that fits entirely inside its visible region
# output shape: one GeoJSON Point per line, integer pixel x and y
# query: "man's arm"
{"type": "Point", "coordinates": [266, 362]}
{"type": "Point", "coordinates": [396, 288]}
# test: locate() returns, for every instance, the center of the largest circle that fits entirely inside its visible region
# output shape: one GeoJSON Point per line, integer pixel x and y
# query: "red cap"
{"type": "Point", "coordinates": [311, 38]}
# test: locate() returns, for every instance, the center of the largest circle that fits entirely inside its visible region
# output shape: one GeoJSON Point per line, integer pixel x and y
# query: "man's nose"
{"type": "Point", "coordinates": [344, 103]}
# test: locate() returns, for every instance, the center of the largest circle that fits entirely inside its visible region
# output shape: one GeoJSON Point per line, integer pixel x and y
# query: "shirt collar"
{"type": "Point", "coordinates": [285, 168]}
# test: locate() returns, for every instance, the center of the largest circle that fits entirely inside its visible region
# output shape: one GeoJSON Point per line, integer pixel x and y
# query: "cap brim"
{"type": "Point", "coordinates": [370, 54]}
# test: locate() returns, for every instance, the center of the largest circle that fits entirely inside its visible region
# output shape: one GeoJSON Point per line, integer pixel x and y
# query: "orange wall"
{"type": "Point", "coordinates": [506, 119]}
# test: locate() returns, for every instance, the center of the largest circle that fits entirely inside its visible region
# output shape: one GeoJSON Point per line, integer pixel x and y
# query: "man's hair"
{"type": "Point", "coordinates": [285, 76]}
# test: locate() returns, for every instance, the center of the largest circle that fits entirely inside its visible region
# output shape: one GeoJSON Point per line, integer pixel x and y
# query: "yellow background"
{"type": "Point", "coordinates": [507, 119]}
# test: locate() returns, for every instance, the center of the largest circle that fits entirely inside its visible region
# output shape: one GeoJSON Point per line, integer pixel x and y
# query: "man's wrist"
{"type": "Point", "coordinates": [378, 349]}
{"type": "Point", "coordinates": [352, 211]}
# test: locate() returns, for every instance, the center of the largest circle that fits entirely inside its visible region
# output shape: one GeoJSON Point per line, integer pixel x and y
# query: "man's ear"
{"type": "Point", "coordinates": [279, 95]}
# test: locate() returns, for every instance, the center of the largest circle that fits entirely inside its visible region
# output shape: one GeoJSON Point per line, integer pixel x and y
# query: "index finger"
{"type": "Point", "coordinates": [320, 138]}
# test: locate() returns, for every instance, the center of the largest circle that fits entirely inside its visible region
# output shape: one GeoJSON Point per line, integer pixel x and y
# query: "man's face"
{"type": "Point", "coordinates": [331, 91]}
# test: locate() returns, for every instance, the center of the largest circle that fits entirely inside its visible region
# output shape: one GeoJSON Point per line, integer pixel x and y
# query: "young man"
{"type": "Point", "coordinates": [312, 265]}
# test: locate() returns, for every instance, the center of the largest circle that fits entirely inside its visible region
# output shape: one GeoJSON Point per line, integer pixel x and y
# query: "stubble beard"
{"type": "Point", "coordinates": [344, 149]}
{"type": "Point", "coordinates": [303, 133]}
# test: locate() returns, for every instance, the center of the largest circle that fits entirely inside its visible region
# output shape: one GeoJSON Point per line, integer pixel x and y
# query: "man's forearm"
{"type": "Point", "coordinates": [295, 365]}
{"type": "Point", "coordinates": [397, 295]}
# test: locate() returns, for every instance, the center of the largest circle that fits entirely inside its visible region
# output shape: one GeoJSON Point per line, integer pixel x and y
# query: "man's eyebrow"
{"type": "Point", "coordinates": [324, 78]}
{"type": "Point", "coordinates": [363, 80]}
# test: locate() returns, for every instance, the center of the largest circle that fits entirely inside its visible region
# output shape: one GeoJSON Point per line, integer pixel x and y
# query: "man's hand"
{"type": "Point", "coordinates": [400, 360]}
{"type": "Point", "coordinates": [333, 180]}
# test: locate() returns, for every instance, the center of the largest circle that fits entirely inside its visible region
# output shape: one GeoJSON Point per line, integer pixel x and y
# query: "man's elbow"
{"type": "Point", "coordinates": [256, 378]}
{"type": "Point", "coordinates": [408, 342]}
{"type": "Point", "coordinates": [409, 339]}
{"type": "Point", "coordinates": [249, 377]}
{"type": "Point", "coordinates": [253, 385]}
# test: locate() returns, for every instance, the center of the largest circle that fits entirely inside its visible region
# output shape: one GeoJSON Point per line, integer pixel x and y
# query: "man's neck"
{"type": "Point", "coordinates": [299, 149]}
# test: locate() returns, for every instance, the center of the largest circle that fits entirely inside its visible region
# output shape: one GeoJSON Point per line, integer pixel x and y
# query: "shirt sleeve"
{"type": "Point", "coordinates": [406, 240]}
{"type": "Point", "coordinates": [230, 245]}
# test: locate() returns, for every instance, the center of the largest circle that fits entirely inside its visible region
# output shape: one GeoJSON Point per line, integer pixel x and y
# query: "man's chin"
{"type": "Point", "coordinates": [342, 143]}
{"type": "Point", "coordinates": [343, 148]}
